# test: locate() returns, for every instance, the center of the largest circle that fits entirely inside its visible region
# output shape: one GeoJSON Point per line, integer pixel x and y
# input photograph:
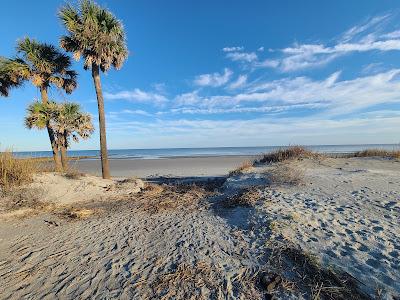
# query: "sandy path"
{"type": "Point", "coordinates": [122, 255]}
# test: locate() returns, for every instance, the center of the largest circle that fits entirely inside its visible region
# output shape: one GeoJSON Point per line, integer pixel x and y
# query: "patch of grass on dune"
{"type": "Point", "coordinates": [15, 171]}
{"type": "Point", "coordinates": [292, 152]}
{"type": "Point", "coordinates": [378, 153]}
{"type": "Point", "coordinates": [246, 165]}
{"type": "Point", "coordinates": [302, 271]}
{"type": "Point", "coordinates": [285, 174]}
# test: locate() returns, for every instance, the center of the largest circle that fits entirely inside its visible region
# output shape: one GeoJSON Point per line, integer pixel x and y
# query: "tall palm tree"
{"type": "Point", "coordinates": [66, 120]}
{"type": "Point", "coordinates": [44, 66]}
{"type": "Point", "coordinates": [98, 36]}
{"type": "Point", "coordinates": [69, 122]}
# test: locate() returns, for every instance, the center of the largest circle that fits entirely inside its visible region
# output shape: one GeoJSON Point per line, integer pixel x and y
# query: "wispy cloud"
{"type": "Point", "coordinates": [242, 56]}
{"type": "Point", "coordinates": [246, 109]}
{"type": "Point", "coordinates": [371, 35]}
{"type": "Point", "coordinates": [130, 112]}
{"type": "Point", "coordinates": [137, 95]}
{"type": "Point", "coordinates": [232, 49]}
{"type": "Point", "coordinates": [240, 82]}
{"type": "Point", "coordinates": [262, 130]}
{"type": "Point", "coordinates": [337, 96]}
{"type": "Point", "coordinates": [214, 79]}
{"type": "Point", "coordinates": [185, 99]}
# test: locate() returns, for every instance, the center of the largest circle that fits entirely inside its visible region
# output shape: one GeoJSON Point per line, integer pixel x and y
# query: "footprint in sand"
{"type": "Point", "coordinates": [373, 263]}
{"type": "Point", "coordinates": [377, 229]}
{"type": "Point", "coordinates": [363, 248]}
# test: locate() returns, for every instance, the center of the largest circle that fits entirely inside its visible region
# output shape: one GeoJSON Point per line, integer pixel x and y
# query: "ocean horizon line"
{"type": "Point", "coordinates": [160, 153]}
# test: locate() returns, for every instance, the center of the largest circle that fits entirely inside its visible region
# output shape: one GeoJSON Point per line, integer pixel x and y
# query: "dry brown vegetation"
{"type": "Point", "coordinates": [246, 165]}
{"type": "Point", "coordinates": [74, 213]}
{"type": "Point", "coordinates": [202, 281]}
{"type": "Point", "coordinates": [245, 198]}
{"type": "Point", "coordinates": [378, 153]}
{"type": "Point", "coordinates": [73, 173]}
{"type": "Point", "coordinates": [14, 171]}
{"type": "Point", "coordinates": [293, 152]}
{"type": "Point", "coordinates": [304, 273]}
{"type": "Point", "coordinates": [285, 173]}
{"type": "Point", "coordinates": [158, 198]}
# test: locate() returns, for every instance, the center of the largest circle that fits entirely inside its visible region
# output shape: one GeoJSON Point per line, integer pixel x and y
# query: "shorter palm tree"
{"type": "Point", "coordinates": [70, 123]}
{"type": "Point", "coordinates": [65, 120]}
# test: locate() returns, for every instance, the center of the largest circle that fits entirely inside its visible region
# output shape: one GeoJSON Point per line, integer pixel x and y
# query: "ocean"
{"type": "Point", "coordinates": [196, 152]}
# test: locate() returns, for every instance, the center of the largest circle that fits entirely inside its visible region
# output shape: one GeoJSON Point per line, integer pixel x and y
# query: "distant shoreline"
{"type": "Point", "coordinates": [94, 157]}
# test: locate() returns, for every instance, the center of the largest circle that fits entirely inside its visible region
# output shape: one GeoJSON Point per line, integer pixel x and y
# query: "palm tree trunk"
{"type": "Point", "coordinates": [105, 168]}
{"type": "Point", "coordinates": [64, 156]}
{"type": "Point", "coordinates": [53, 142]}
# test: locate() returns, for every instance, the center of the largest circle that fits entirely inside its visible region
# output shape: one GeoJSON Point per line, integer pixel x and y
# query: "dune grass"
{"type": "Point", "coordinates": [303, 271]}
{"type": "Point", "coordinates": [378, 153]}
{"type": "Point", "coordinates": [244, 198]}
{"type": "Point", "coordinates": [285, 173]}
{"type": "Point", "coordinates": [292, 152]}
{"type": "Point", "coordinates": [15, 171]}
{"type": "Point", "coordinates": [246, 165]}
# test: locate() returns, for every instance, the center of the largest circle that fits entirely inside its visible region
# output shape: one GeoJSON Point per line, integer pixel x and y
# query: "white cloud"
{"type": "Point", "coordinates": [360, 29]}
{"type": "Point", "coordinates": [373, 68]}
{"type": "Point", "coordinates": [261, 49]}
{"type": "Point", "coordinates": [214, 79]}
{"type": "Point", "coordinates": [245, 109]}
{"type": "Point", "coordinates": [392, 35]}
{"type": "Point", "coordinates": [240, 82]}
{"type": "Point", "coordinates": [134, 112]}
{"type": "Point", "coordinates": [242, 56]}
{"type": "Point", "coordinates": [191, 98]}
{"type": "Point", "coordinates": [232, 49]}
{"type": "Point", "coordinates": [261, 131]}
{"type": "Point", "coordinates": [362, 38]}
{"type": "Point", "coordinates": [268, 63]}
{"type": "Point", "coordinates": [137, 95]}
{"type": "Point", "coordinates": [335, 96]}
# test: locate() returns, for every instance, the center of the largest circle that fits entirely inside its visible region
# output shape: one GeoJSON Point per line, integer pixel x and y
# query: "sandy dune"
{"type": "Point", "coordinates": [171, 242]}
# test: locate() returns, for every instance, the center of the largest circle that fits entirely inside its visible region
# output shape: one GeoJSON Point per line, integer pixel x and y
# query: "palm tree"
{"type": "Point", "coordinates": [66, 121]}
{"type": "Point", "coordinates": [98, 36]}
{"type": "Point", "coordinates": [69, 122]}
{"type": "Point", "coordinates": [44, 66]}
{"type": "Point", "coordinates": [39, 116]}
{"type": "Point", "coordinates": [7, 81]}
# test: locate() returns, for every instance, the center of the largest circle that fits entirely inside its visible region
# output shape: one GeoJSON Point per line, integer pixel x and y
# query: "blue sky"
{"type": "Point", "coordinates": [229, 73]}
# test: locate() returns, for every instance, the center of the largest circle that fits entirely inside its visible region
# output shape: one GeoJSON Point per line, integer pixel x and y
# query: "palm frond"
{"type": "Point", "coordinates": [41, 63]}
{"type": "Point", "coordinates": [94, 33]}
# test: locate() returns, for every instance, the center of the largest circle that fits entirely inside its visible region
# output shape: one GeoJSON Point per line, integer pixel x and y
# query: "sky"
{"type": "Point", "coordinates": [227, 73]}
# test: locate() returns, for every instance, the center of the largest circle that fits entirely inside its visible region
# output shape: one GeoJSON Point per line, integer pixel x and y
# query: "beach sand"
{"type": "Point", "coordinates": [180, 166]}
{"type": "Point", "coordinates": [192, 242]}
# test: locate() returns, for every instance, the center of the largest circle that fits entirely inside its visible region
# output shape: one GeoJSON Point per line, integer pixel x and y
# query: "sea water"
{"type": "Point", "coordinates": [213, 151]}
